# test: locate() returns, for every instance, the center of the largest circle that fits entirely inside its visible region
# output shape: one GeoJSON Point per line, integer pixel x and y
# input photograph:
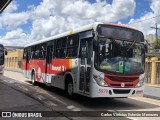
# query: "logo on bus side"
{"type": "Point", "coordinates": [59, 68]}
{"type": "Point", "coordinates": [122, 84]}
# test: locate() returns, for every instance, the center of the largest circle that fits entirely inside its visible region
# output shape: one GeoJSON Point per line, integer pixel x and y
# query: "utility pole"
{"type": "Point", "coordinates": [156, 28]}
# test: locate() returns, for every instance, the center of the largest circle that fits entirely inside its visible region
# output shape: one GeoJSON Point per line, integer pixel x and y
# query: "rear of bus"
{"type": "Point", "coordinates": [1, 59]}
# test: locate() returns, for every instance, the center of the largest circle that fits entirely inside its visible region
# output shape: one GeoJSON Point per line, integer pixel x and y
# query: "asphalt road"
{"type": "Point", "coordinates": [43, 98]}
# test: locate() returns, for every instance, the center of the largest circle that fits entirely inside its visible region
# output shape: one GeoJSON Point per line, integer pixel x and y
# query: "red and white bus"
{"type": "Point", "coordinates": [3, 52]}
{"type": "Point", "coordinates": [97, 60]}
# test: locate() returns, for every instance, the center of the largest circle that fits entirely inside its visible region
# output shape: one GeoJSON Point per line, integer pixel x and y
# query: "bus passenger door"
{"type": "Point", "coordinates": [85, 65]}
{"type": "Point", "coordinates": [49, 63]}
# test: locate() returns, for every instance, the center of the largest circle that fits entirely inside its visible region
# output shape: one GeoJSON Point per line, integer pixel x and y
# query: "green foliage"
{"type": "Point", "coordinates": [155, 45]}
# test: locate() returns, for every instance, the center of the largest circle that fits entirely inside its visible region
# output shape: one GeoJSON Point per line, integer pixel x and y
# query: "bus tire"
{"type": "Point", "coordinates": [33, 79]}
{"type": "Point", "coordinates": [69, 89]}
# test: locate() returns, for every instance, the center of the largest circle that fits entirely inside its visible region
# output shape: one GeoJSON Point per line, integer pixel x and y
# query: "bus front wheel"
{"type": "Point", "coordinates": [69, 89]}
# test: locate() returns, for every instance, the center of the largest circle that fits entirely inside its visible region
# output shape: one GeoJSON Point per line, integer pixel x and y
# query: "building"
{"type": "Point", "coordinates": [13, 58]}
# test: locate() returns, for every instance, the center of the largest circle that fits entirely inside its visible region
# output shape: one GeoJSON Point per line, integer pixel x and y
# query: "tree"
{"type": "Point", "coordinates": [155, 45]}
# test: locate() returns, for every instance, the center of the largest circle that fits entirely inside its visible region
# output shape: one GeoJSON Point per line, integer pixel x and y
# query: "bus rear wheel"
{"type": "Point", "coordinates": [33, 79]}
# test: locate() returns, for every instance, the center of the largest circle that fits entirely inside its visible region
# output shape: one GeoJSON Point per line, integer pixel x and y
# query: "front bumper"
{"type": "Point", "coordinates": [99, 91]}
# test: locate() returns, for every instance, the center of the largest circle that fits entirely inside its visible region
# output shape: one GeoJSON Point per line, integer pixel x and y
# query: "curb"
{"type": "Point", "coordinates": [150, 96]}
{"type": "Point", "coordinates": [152, 91]}
{"type": "Point", "coordinates": [155, 86]}
{"type": "Point", "coordinates": [14, 70]}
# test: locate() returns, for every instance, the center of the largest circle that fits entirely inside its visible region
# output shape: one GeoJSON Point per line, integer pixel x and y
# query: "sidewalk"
{"type": "Point", "coordinates": [14, 69]}
{"type": "Point", "coordinates": [151, 91]}
{"type": "Point", "coordinates": [12, 100]}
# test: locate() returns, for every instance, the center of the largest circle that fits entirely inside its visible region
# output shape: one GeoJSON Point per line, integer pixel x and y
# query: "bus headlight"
{"type": "Point", "coordinates": [100, 81]}
{"type": "Point", "coordinates": [140, 83]}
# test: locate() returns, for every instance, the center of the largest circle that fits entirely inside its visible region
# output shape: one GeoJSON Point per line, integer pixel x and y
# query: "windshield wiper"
{"type": "Point", "coordinates": [131, 46]}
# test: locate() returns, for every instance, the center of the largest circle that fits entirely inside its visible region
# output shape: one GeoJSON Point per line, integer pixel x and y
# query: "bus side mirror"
{"type": "Point", "coordinates": [6, 53]}
{"type": "Point", "coordinates": [95, 45]}
{"type": "Point", "coordinates": [146, 48]}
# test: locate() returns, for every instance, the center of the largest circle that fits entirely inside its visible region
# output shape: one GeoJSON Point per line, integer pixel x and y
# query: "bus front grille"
{"type": "Point", "coordinates": [119, 81]}
{"type": "Point", "coordinates": [118, 91]}
{"type": "Point", "coordinates": [122, 79]}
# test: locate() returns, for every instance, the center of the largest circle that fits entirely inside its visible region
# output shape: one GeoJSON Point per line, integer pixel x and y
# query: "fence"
{"type": "Point", "coordinates": [148, 67]}
{"type": "Point", "coordinates": [152, 70]}
{"type": "Point", "coordinates": [158, 72]}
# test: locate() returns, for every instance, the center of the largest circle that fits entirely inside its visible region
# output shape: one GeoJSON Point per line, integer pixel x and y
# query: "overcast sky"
{"type": "Point", "coordinates": [26, 21]}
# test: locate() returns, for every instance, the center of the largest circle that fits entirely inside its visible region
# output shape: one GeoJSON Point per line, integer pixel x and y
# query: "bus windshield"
{"type": "Point", "coordinates": [119, 56]}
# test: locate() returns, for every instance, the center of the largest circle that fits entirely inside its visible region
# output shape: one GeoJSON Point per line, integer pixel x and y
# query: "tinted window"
{"type": "Point", "coordinates": [33, 52]}
{"type": "Point", "coordinates": [61, 47]}
{"type": "Point", "coordinates": [73, 41]}
{"type": "Point", "coordinates": [43, 51]}
{"type": "Point", "coordinates": [72, 46]}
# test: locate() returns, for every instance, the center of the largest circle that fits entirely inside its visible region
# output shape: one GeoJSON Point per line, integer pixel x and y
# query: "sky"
{"type": "Point", "coordinates": [26, 21]}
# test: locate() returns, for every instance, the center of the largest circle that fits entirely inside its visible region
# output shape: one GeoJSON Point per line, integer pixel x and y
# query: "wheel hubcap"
{"type": "Point", "coordinates": [70, 89]}
{"type": "Point", "coordinates": [33, 79]}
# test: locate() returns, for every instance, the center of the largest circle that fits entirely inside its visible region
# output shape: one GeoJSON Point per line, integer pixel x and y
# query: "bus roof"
{"type": "Point", "coordinates": [73, 31]}
{"type": "Point", "coordinates": [120, 25]}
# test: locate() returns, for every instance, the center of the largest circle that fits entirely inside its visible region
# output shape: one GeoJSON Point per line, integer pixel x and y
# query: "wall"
{"type": "Point", "coordinates": [13, 59]}
{"type": "Point", "coordinates": [152, 70]}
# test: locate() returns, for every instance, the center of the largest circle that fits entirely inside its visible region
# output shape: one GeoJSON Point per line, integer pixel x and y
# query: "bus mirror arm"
{"type": "Point", "coordinates": [95, 45]}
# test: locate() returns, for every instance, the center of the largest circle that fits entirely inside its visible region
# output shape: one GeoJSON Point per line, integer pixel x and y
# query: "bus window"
{"type": "Point", "coordinates": [73, 40]}
{"type": "Point", "coordinates": [72, 46]}
{"type": "Point", "coordinates": [37, 53]}
{"type": "Point", "coordinates": [43, 50]}
{"type": "Point", "coordinates": [33, 52]}
{"type": "Point", "coordinates": [29, 53]}
{"type": "Point", "coordinates": [61, 48]}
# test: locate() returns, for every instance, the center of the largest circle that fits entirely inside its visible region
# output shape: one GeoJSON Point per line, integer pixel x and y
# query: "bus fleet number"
{"type": "Point", "coordinates": [103, 91]}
